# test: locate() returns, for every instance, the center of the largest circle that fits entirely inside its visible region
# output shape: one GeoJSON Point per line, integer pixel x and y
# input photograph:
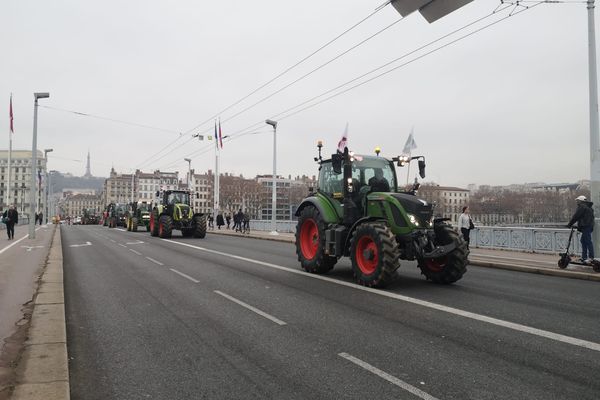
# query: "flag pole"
{"type": "Point", "coordinates": [10, 132]}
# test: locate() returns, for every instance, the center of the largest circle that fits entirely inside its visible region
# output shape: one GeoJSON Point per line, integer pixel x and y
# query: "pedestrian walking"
{"type": "Point", "coordinates": [584, 217]}
{"type": "Point", "coordinates": [41, 217]}
{"type": "Point", "coordinates": [10, 218]}
{"type": "Point", "coordinates": [220, 221]}
{"type": "Point", "coordinates": [228, 220]}
{"type": "Point", "coordinates": [465, 224]}
{"type": "Point", "coordinates": [211, 221]}
{"type": "Point", "coordinates": [246, 223]}
{"type": "Point", "coordinates": [239, 219]}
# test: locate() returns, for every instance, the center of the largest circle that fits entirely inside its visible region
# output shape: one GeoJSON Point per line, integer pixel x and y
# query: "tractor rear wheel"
{"type": "Point", "coordinates": [153, 228]}
{"type": "Point", "coordinates": [128, 224]}
{"type": "Point", "coordinates": [310, 242]}
{"type": "Point", "coordinates": [451, 267]}
{"type": "Point", "coordinates": [165, 226]}
{"type": "Point", "coordinates": [199, 226]}
{"type": "Point", "coordinates": [134, 224]}
{"type": "Point", "coordinates": [374, 253]}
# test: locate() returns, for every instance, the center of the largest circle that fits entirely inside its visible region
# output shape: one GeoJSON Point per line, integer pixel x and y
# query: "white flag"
{"type": "Point", "coordinates": [343, 143]}
{"type": "Point", "coordinates": [410, 144]}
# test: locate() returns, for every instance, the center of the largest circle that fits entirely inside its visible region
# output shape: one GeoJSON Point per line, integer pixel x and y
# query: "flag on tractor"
{"type": "Point", "coordinates": [410, 144]}
{"type": "Point", "coordinates": [216, 136]}
{"type": "Point", "coordinates": [343, 143]}
{"type": "Point", "coordinates": [10, 114]}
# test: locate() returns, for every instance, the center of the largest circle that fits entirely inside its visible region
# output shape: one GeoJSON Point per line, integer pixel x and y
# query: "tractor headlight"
{"type": "Point", "coordinates": [413, 220]}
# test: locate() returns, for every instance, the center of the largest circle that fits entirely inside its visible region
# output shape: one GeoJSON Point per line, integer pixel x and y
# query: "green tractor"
{"type": "Point", "coordinates": [358, 212]}
{"type": "Point", "coordinates": [114, 215]}
{"type": "Point", "coordinates": [173, 211]}
{"type": "Point", "coordinates": [138, 214]}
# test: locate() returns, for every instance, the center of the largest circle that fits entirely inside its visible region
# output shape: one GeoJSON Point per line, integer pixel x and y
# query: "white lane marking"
{"type": "Point", "coordinates": [112, 240]}
{"type": "Point", "coordinates": [136, 252]}
{"type": "Point", "coordinates": [390, 378]}
{"type": "Point", "coordinates": [136, 242]}
{"type": "Point", "coordinates": [13, 243]}
{"type": "Point", "coordinates": [122, 245]}
{"type": "Point", "coordinates": [154, 261]}
{"type": "Point", "coordinates": [249, 307]}
{"type": "Point", "coordinates": [81, 245]}
{"type": "Point", "coordinates": [184, 275]}
{"type": "Point", "coordinates": [29, 248]}
{"type": "Point", "coordinates": [451, 310]}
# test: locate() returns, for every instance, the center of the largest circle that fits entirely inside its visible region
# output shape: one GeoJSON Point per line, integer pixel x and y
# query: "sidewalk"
{"type": "Point", "coordinates": [535, 263]}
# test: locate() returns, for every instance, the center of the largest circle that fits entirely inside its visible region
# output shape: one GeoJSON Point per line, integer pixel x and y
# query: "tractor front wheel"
{"type": "Point", "coordinates": [451, 267]}
{"type": "Point", "coordinates": [134, 224]}
{"type": "Point", "coordinates": [375, 255]}
{"type": "Point", "coordinates": [199, 226]}
{"type": "Point", "coordinates": [165, 226]}
{"type": "Point", "coordinates": [153, 223]}
{"type": "Point", "coordinates": [310, 242]}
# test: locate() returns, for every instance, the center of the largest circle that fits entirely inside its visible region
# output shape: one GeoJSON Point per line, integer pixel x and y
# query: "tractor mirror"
{"type": "Point", "coordinates": [336, 163]}
{"type": "Point", "coordinates": [422, 168]}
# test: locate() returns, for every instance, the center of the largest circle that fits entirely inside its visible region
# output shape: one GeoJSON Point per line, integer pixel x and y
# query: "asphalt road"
{"type": "Point", "coordinates": [236, 318]}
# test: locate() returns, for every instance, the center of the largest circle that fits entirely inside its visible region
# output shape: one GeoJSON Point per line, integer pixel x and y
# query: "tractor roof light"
{"type": "Point", "coordinates": [377, 150]}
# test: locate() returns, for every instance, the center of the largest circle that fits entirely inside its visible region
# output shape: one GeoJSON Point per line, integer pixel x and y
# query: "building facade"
{"type": "Point", "coordinates": [18, 194]}
{"type": "Point", "coordinates": [448, 200]}
{"type": "Point", "coordinates": [76, 205]}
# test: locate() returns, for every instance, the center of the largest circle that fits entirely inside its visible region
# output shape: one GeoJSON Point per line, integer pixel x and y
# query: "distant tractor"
{"type": "Point", "coordinates": [114, 215]}
{"type": "Point", "coordinates": [358, 212]}
{"type": "Point", "coordinates": [138, 214]}
{"type": "Point", "coordinates": [173, 211]}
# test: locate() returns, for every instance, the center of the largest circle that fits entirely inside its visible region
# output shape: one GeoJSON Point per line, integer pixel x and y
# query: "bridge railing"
{"type": "Point", "coordinates": [532, 240]}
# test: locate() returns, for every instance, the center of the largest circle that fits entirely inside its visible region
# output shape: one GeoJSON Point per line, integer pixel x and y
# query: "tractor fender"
{"type": "Point", "coordinates": [353, 228]}
{"type": "Point", "coordinates": [326, 210]}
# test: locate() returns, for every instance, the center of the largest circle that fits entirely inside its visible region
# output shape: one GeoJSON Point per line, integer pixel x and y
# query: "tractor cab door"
{"type": "Point", "coordinates": [331, 184]}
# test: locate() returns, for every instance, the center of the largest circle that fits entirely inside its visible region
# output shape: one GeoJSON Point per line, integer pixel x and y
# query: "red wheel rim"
{"type": "Point", "coordinates": [152, 222]}
{"type": "Point", "coordinates": [367, 255]}
{"type": "Point", "coordinates": [436, 264]}
{"type": "Point", "coordinates": [309, 239]}
{"type": "Point", "coordinates": [161, 229]}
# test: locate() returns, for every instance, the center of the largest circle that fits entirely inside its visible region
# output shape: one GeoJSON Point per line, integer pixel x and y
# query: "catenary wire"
{"type": "Point", "coordinates": [286, 70]}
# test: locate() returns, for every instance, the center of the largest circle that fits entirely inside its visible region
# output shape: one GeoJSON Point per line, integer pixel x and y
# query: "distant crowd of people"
{"type": "Point", "coordinates": [241, 221]}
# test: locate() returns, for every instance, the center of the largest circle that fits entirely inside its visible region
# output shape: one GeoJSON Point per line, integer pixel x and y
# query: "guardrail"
{"type": "Point", "coordinates": [532, 240]}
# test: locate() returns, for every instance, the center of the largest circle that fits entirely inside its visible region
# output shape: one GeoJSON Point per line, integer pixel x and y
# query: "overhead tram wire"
{"type": "Point", "coordinates": [312, 71]}
{"type": "Point", "coordinates": [288, 69]}
{"type": "Point", "coordinates": [118, 121]}
{"type": "Point", "coordinates": [279, 116]}
{"type": "Point", "coordinates": [413, 60]}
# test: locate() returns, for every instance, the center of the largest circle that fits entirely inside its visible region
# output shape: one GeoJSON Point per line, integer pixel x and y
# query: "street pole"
{"type": "Point", "coordinates": [216, 184]}
{"type": "Point", "coordinates": [46, 151]}
{"type": "Point", "coordinates": [189, 179]}
{"type": "Point", "coordinates": [274, 196]}
{"type": "Point", "coordinates": [594, 124]}
{"type": "Point", "coordinates": [32, 191]}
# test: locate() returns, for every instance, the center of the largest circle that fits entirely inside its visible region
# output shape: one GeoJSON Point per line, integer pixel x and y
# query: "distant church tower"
{"type": "Point", "coordinates": [88, 173]}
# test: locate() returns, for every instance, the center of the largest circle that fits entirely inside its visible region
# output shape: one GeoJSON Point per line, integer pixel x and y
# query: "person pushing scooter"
{"type": "Point", "coordinates": [584, 217]}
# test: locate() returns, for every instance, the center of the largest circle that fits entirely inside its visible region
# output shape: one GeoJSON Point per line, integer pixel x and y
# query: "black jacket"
{"type": "Point", "coordinates": [584, 215]}
{"type": "Point", "coordinates": [12, 215]}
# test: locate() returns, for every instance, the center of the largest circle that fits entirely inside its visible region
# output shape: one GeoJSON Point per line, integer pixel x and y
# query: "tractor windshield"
{"type": "Point", "coordinates": [376, 172]}
{"type": "Point", "coordinates": [178, 198]}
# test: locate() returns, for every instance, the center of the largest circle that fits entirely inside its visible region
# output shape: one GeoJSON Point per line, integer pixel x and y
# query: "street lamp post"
{"type": "Point", "coordinates": [46, 151]}
{"type": "Point", "coordinates": [32, 192]}
{"type": "Point", "coordinates": [274, 197]}
{"type": "Point", "coordinates": [189, 180]}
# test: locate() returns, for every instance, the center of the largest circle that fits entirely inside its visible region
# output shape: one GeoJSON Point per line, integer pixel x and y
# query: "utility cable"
{"type": "Point", "coordinates": [82, 114]}
{"type": "Point", "coordinates": [286, 70]}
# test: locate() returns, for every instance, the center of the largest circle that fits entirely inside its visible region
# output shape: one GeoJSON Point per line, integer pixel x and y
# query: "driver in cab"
{"type": "Point", "coordinates": [378, 183]}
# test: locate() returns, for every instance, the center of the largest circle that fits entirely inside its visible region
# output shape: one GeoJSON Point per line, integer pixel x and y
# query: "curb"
{"type": "Point", "coordinates": [487, 264]}
{"type": "Point", "coordinates": [43, 373]}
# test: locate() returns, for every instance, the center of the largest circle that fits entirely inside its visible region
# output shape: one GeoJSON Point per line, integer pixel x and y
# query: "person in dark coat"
{"type": "Point", "coordinates": [211, 221]}
{"type": "Point", "coordinates": [41, 217]}
{"type": "Point", "coordinates": [10, 217]}
{"type": "Point", "coordinates": [228, 220]}
{"type": "Point", "coordinates": [584, 217]}
{"type": "Point", "coordinates": [220, 221]}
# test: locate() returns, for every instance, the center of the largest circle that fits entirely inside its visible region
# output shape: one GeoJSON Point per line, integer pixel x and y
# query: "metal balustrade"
{"type": "Point", "coordinates": [532, 240]}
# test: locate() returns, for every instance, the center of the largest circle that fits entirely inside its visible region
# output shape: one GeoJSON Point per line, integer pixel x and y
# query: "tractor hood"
{"type": "Point", "coordinates": [421, 209]}
{"type": "Point", "coordinates": [182, 211]}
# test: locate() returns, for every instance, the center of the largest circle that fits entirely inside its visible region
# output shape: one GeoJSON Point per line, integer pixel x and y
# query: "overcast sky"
{"type": "Point", "coordinates": [506, 105]}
